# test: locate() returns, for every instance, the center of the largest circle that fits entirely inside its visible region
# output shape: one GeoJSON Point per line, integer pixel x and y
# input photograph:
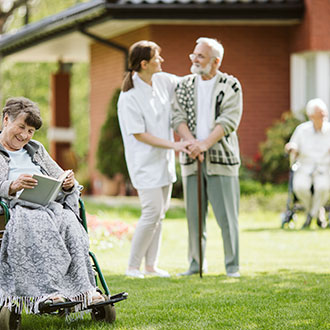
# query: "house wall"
{"type": "Point", "coordinates": [313, 33]}
{"type": "Point", "coordinates": [257, 55]}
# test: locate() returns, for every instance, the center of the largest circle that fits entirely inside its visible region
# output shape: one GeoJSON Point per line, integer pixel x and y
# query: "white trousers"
{"type": "Point", "coordinates": [302, 183]}
{"type": "Point", "coordinates": [147, 236]}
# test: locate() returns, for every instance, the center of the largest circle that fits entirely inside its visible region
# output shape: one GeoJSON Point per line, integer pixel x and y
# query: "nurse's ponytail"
{"type": "Point", "coordinates": [142, 50]}
{"type": "Point", "coordinates": [128, 81]}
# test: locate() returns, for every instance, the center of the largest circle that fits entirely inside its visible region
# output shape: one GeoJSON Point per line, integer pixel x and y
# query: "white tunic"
{"type": "Point", "coordinates": [146, 108]}
{"type": "Point", "coordinates": [313, 147]}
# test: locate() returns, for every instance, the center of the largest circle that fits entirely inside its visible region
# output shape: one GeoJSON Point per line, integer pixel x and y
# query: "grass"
{"type": "Point", "coordinates": [285, 281]}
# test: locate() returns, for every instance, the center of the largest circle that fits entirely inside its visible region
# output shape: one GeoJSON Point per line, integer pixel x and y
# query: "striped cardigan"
{"type": "Point", "coordinates": [223, 157]}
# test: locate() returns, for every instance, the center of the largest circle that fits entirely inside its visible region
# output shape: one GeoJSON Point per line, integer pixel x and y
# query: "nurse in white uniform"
{"type": "Point", "coordinates": [144, 109]}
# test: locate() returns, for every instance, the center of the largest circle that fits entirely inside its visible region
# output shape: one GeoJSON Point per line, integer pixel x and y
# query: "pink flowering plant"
{"type": "Point", "coordinates": [105, 233]}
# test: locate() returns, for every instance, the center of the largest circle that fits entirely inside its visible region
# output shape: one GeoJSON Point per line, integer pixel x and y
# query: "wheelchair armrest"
{"type": "Point", "coordinates": [4, 210]}
{"type": "Point", "coordinates": [82, 212]}
{"type": "Point", "coordinates": [295, 166]}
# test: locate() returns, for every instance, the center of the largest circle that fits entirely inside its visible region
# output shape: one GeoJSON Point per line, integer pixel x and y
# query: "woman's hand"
{"type": "Point", "coordinates": [24, 181]}
{"type": "Point", "coordinates": [68, 183]}
{"type": "Point", "coordinates": [182, 146]}
{"type": "Point", "coordinates": [197, 149]}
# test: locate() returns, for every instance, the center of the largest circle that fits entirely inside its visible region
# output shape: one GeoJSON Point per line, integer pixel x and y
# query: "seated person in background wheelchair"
{"type": "Point", "coordinates": [44, 253]}
{"type": "Point", "coordinates": [309, 147]}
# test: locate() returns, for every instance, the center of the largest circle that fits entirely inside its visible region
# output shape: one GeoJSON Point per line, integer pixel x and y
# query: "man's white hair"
{"type": "Point", "coordinates": [216, 47]}
{"type": "Point", "coordinates": [313, 104]}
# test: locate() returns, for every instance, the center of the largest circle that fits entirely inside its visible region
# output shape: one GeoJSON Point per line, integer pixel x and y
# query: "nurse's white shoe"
{"type": "Point", "coordinates": [158, 272]}
{"type": "Point", "coordinates": [134, 273]}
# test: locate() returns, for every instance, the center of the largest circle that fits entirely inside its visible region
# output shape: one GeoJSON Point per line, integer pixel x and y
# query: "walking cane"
{"type": "Point", "coordinates": [199, 185]}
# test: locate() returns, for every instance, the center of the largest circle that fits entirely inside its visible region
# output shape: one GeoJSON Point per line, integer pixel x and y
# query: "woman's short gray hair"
{"type": "Point", "coordinates": [216, 47]}
{"type": "Point", "coordinates": [18, 105]}
{"type": "Point", "coordinates": [313, 104]}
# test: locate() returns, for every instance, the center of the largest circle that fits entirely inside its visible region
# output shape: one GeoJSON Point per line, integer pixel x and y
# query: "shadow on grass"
{"type": "Point", "coordinates": [256, 230]}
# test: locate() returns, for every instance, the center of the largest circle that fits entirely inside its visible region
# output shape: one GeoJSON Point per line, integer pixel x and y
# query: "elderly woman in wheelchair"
{"type": "Point", "coordinates": [309, 149]}
{"type": "Point", "coordinates": [44, 256]}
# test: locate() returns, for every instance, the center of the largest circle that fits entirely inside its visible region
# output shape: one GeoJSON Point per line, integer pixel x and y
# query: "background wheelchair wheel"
{"type": "Point", "coordinates": [9, 320]}
{"type": "Point", "coordinates": [288, 218]}
{"type": "Point", "coordinates": [105, 313]}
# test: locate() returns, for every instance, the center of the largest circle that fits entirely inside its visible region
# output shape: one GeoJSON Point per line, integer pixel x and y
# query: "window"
{"type": "Point", "coordinates": [310, 78]}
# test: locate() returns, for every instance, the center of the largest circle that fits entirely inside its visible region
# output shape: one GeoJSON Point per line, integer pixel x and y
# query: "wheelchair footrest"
{"type": "Point", "coordinates": [49, 308]}
{"type": "Point", "coordinates": [113, 299]}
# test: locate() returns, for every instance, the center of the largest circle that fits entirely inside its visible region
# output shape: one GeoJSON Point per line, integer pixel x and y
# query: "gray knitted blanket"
{"type": "Point", "coordinates": [44, 252]}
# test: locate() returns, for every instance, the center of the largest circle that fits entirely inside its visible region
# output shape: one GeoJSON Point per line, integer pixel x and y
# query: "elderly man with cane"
{"type": "Point", "coordinates": [207, 111]}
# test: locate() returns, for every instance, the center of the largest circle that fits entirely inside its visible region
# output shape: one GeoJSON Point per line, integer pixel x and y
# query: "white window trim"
{"type": "Point", "coordinates": [298, 83]}
{"type": "Point", "coordinates": [61, 134]}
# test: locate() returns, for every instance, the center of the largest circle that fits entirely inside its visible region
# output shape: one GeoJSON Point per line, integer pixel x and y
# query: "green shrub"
{"type": "Point", "coordinates": [83, 176]}
{"type": "Point", "coordinates": [273, 163]}
{"type": "Point", "coordinates": [250, 187]}
{"type": "Point", "coordinates": [110, 153]}
{"type": "Point", "coordinates": [177, 191]}
{"type": "Point", "coordinates": [254, 187]}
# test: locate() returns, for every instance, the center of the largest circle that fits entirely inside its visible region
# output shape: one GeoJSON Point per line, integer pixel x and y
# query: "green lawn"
{"type": "Point", "coordinates": [285, 281]}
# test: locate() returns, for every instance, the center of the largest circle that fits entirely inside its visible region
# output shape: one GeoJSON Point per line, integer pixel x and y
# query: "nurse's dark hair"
{"type": "Point", "coordinates": [139, 51]}
{"type": "Point", "coordinates": [18, 105]}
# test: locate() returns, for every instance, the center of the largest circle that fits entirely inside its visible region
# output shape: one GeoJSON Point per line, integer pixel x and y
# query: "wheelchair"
{"type": "Point", "coordinates": [102, 311]}
{"type": "Point", "coordinates": [289, 217]}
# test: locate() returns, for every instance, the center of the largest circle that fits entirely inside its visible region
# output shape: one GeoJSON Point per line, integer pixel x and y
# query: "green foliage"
{"type": "Point", "coordinates": [274, 164]}
{"type": "Point", "coordinates": [250, 187]}
{"type": "Point", "coordinates": [32, 80]}
{"type": "Point", "coordinates": [38, 9]}
{"type": "Point", "coordinates": [82, 175]}
{"type": "Point", "coordinates": [43, 8]}
{"type": "Point", "coordinates": [177, 191]}
{"type": "Point", "coordinates": [110, 153]}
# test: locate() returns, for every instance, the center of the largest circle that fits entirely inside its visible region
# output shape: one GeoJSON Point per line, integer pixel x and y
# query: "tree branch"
{"type": "Point", "coordinates": [16, 4]}
{"type": "Point", "coordinates": [5, 15]}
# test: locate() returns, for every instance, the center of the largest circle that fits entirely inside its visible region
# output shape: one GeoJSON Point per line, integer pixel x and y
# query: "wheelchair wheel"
{"type": "Point", "coordinates": [9, 320]}
{"type": "Point", "coordinates": [288, 217]}
{"type": "Point", "coordinates": [106, 313]}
